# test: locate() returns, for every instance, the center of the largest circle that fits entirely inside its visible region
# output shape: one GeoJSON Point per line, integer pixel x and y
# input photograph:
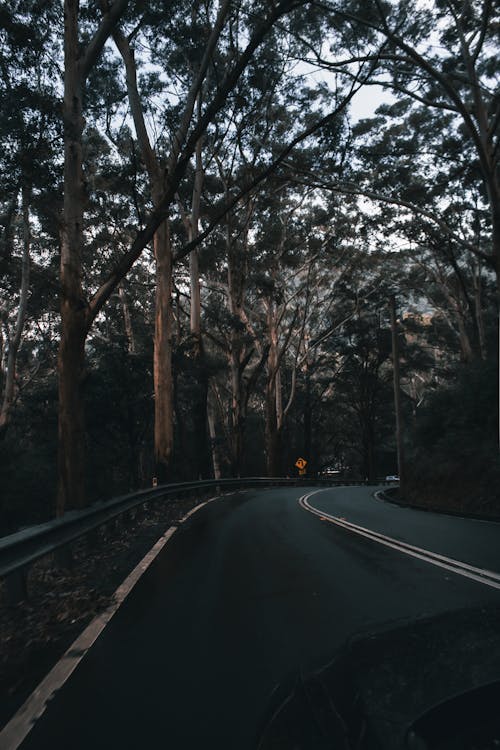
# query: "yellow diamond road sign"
{"type": "Point", "coordinates": [301, 463]}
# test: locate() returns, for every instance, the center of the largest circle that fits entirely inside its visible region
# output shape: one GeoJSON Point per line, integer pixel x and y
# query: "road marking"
{"type": "Point", "coordinates": [480, 575]}
{"type": "Point", "coordinates": [19, 726]}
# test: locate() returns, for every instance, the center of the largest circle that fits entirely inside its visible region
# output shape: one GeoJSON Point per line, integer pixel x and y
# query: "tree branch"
{"type": "Point", "coordinates": [94, 48]}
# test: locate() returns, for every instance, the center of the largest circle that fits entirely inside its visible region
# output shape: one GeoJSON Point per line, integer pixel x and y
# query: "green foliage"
{"type": "Point", "coordinates": [455, 462]}
{"type": "Point", "coordinates": [28, 465]}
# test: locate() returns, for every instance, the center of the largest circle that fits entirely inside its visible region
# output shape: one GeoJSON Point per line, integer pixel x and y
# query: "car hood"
{"type": "Point", "coordinates": [397, 688]}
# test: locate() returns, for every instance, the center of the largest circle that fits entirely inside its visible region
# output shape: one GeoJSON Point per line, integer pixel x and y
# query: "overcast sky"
{"type": "Point", "coordinates": [366, 101]}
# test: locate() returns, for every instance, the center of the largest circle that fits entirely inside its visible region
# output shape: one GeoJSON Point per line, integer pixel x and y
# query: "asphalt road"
{"type": "Point", "coordinates": [250, 591]}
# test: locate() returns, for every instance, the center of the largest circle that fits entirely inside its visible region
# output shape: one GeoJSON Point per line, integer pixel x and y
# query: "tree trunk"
{"type": "Point", "coordinates": [465, 344]}
{"type": "Point", "coordinates": [193, 234]}
{"type": "Point", "coordinates": [397, 391]}
{"type": "Point", "coordinates": [235, 284]}
{"type": "Point", "coordinates": [237, 420]}
{"type": "Point", "coordinates": [478, 310]}
{"type": "Point", "coordinates": [75, 313]}
{"type": "Point", "coordinates": [71, 363]}
{"type": "Point", "coordinates": [272, 432]}
{"type": "Point", "coordinates": [271, 414]}
{"type": "Point", "coordinates": [127, 320]}
{"type": "Point", "coordinates": [307, 415]}
{"type": "Point", "coordinates": [162, 363]}
{"type": "Point", "coordinates": [368, 442]}
{"type": "Point", "coordinates": [15, 340]}
{"type": "Point", "coordinates": [71, 493]}
{"type": "Point", "coordinates": [199, 379]}
{"type": "Point", "coordinates": [213, 439]}
{"type": "Point", "coordinates": [6, 234]}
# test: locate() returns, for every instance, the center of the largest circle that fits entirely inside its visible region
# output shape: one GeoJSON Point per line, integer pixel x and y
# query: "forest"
{"type": "Point", "coordinates": [208, 212]}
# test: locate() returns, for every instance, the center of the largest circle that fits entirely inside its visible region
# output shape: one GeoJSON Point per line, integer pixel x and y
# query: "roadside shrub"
{"type": "Point", "coordinates": [454, 463]}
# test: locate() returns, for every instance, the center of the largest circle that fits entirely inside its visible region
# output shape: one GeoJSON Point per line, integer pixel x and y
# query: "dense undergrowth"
{"type": "Point", "coordinates": [454, 462]}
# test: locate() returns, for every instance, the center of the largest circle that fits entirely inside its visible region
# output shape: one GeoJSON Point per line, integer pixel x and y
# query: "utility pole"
{"type": "Point", "coordinates": [397, 390]}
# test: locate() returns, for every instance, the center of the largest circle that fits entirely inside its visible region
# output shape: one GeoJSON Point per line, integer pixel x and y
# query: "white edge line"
{"type": "Point", "coordinates": [18, 727]}
{"type": "Point", "coordinates": [406, 545]}
{"type": "Point", "coordinates": [436, 555]}
{"type": "Point", "coordinates": [455, 566]}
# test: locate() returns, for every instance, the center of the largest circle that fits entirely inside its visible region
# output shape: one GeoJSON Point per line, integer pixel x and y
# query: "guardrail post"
{"type": "Point", "coordinates": [16, 586]}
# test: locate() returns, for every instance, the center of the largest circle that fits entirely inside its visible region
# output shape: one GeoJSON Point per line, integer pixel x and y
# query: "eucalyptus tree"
{"type": "Point", "coordinates": [454, 284]}
{"type": "Point", "coordinates": [265, 110]}
{"type": "Point", "coordinates": [440, 61]}
{"type": "Point", "coordinates": [78, 313]}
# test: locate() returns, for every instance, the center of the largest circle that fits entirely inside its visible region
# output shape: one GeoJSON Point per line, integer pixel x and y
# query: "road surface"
{"type": "Point", "coordinates": [251, 590]}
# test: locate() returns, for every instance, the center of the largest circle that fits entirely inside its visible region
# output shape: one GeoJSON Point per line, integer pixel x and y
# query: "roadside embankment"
{"type": "Point", "coordinates": [468, 499]}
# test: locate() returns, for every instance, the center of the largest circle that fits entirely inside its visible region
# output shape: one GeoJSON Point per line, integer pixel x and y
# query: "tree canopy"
{"type": "Point", "coordinates": [199, 239]}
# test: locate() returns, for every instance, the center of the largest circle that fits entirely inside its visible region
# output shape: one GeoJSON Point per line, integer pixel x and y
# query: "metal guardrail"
{"type": "Point", "coordinates": [20, 550]}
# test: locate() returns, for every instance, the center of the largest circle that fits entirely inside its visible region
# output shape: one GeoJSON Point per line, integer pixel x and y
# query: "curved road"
{"type": "Point", "coordinates": [249, 591]}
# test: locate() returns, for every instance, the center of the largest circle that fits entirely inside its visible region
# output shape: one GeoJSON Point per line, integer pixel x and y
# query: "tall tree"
{"type": "Point", "coordinates": [77, 313]}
